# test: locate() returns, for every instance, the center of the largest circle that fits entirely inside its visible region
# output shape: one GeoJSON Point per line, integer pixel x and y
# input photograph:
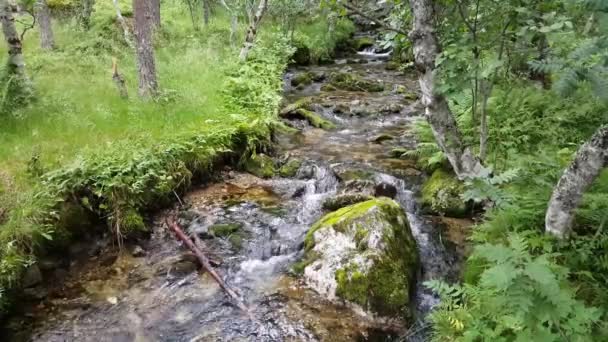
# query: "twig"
{"type": "Point", "coordinates": [27, 27]}
{"type": "Point", "coordinates": [204, 261]}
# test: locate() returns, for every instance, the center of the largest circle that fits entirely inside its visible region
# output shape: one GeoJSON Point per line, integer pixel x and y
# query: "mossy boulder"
{"type": "Point", "coordinates": [315, 119]}
{"type": "Point", "coordinates": [398, 152]}
{"type": "Point", "coordinates": [224, 229]}
{"type": "Point", "coordinates": [362, 43]}
{"type": "Point", "coordinates": [328, 87]}
{"type": "Point", "coordinates": [302, 55]}
{"type": "Point", "coordinates": [441, 193]}
{"type": "Point", "coordinates": [290, 168]}
{"type": "Point", "coordinates": [260, 165]}
{"type": "Point", "coordinates": [341, 201]}
{"type": "Point", "coordinates": [365, 254]}
{"type": "Point", "coordinates": [303, 103]}
{"type": "Point", "coordinates": [302, 79]}
{"type": "Point", "coordinates": [392, 65]}
{"type": "Point", "coordinates": [353, 82]}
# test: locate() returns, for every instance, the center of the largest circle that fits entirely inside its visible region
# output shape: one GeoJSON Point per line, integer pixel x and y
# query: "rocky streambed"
{"type": "Point", "coordinates": [324, 240]}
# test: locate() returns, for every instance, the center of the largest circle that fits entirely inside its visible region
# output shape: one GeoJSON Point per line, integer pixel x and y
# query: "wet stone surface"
{"type": "Point", "coordinates": [253, 231]}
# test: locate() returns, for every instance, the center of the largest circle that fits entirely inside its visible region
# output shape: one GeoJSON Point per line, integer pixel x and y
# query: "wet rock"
{"type": "Point", "coordinates": [382, 138]}
{"type": "Point", "coordinates": [224, 229]}
{"type": "Point", "coordinates": [346, 174]}
{"type": "Point", "coordinates": [341, 109]}
{"type": "Point", "coordinates": [32, 276]}
{"type": "Point", "coordinates": [362, 43]}
{"type": "Point", "coordinates": [364, 254]}
{"type": "Point", "coordinates": [138, 252]}
{"type": "Point", "coordinates": [392, 108]}
{"type": "Point", "coordinates": [391, 65]}
{"type": "Point", "coordinates": [35, 293]}
{"type": "Point", "coordinates": [108, 259]}
{"type": "Point", "coordinates": [328, 87]}
{"type": "Point", "coordinates": [353, 82]}
{"type": "Point", "coordinates": [398, 152]}
{"type": "Point", "coordinates": [385, 190]}
{"type": "Point", "coordinates": [201, 230]}
{"type": "Point", "coordinates": [236, 240]}
{"type": "Point", "coordinates": [411, 96]}
{"type": "Point", "coordinates": [302, 78]}
{"type": "Point", "coordinates": [318, 76]}
{"type": "Point", "coordinates": [341, 201]}
{"type": "Point", "coordinates": [260, 165]}
{"type": "Point", "coordinates": [305, 103]}
{"type": "Point", "coordinates": [302, 55]}
{"type": "Point", "coordinates": [441, 194]}
{"type": "Point", "coordinates": [181, 265]}
{"type": "Point", "coordinates": [290, 168]}
{"type": "Point", "coordinates": [314, 119]}
{"type": "Point", "coordinates": [361, 186]}
{"type": "Point", "coordinates": [275, 247]}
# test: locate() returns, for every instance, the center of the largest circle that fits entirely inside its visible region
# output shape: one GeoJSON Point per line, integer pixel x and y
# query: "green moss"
{"type": "Point", "coordinates": [130, 222]}
{"type": "Point", "coordinates": [309, 258]}
{"type": "Point", "coordinates": [363, 42]}
{"type": "Point", "coordinates": [328, 87]}
{"type": "Point", "coordinates": [441, 193]}
{"type": "Point", "coordinates": [302, 54]}
{"type": "Point", "coordinates": [236, 240]}
{"type": "Point", "coordinates": [398, 152]}
{"type": "Point", "coordinates": [260, 165]}
{"type": "Point", "coordinates": [353, 174]}
{"type": "Point", "coordinates": [303, 78]}
{"type": "Point", "coordinates": [340, 201]}
{"type": "Point", "coordinates": [303, 103]}
{"type": "Point", "coordinates": [353, 82]}
{"type": "Point", "coordinates": [275, 210]}
{"type": "Point", "coordinates": [290, 168]}
{"type": "Point", "coordinates": [315, 120]}
{"type": "Point", "coordinates": [224, 229]}
{"type": "Point", "coordinates": [391, 65]}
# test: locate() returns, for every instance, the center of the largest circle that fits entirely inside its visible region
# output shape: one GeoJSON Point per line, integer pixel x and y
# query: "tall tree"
{"type": "Point", "coordinates": [86, 11]}
{"type": "Point", "coordinates": [437, 110]}
{"type": "Point", "coordinates": [16, 62]}
{"type": "Point", "coordinates": [589, 161]}
{"type": "Point", "coordinates": [252, 30]}
{"type": "Point", "coordinates": [155, 12]}
{"type": "Point", "coordinates": [43, 15]}
{"type": "Point", "coordinates": [148, 85]}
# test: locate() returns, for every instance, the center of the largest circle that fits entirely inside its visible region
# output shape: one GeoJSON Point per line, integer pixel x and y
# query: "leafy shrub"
{"type": "Point", "coordinates": [519, 297]}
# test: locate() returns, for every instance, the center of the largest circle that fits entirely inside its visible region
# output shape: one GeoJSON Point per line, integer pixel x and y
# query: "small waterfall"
{"type": "Point", "coordinates": [371, 52]}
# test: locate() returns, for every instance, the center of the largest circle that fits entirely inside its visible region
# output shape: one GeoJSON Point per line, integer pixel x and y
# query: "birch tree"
{"type": "Point", "coordinates": [589, 161]}
{"type": "Point", "coordinates": [43, 16]}
{"type": "Point", "coordinates": [252, 30]}
{"type": "Point", "coordinates": [16, 62]}
{"type": "Point", "coordinates": [437, 110]}
{"type": "Point", "coordinates": [148, 85]}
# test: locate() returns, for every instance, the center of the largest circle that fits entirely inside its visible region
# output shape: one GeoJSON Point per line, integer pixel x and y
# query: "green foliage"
{"type": "Point", "coordinates": [486, 188]}
{"type": "Point", "coordinates": [427, 153]}
{"type": "Point", "coordinates": [519, 297]}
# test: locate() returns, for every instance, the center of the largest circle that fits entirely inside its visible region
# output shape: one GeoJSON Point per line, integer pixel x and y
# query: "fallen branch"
{"type": "Point", "coordinates": [205, 263]}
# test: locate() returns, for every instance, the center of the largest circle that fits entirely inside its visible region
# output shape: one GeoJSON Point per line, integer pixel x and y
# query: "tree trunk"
{"type": "Point", "coordinates": [123, 23]}
{"type": "Point", "coordinates": [437, 110]}
{"type": "Point", "coordinates": [206, 12]}
{"type": "Point", "coordinates": [43, 15]}
{"type": "Point", "coordinates": [85, 13]}
{"type": "Point", "coordinates": [16, 62]}
{"type": "Point", "coordinates": [486, 91]}
{"type": "Point", "coordinates": [145, 51]}
{"type": "Point", "coordinates": [155, 13]}
{"type": "Point", "coordinates": [589, 161]}
{"type": "Point", "coordinates": [252, 30]}
{"type": "Point", "coordinates": [119, 80]}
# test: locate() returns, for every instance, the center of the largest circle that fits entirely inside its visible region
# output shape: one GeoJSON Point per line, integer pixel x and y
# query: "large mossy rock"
{"type": "Point", "coordinates": [441, 193]}
{"type": "Point", "coordinates": [365, 254]}
{"type": "Point", "coordinates": [260, 165]}
{"type": "Point", "coordinates": [362, 43]}
{"type": "Point", "coordinates": [353, 82]}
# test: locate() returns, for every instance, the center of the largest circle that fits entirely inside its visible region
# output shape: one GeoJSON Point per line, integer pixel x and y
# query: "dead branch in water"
{"type": "Point", "coordinates": [205, 263]}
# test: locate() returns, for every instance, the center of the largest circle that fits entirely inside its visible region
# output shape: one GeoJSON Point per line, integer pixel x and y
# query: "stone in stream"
{"type": "Point", "coordinates": [290, 168]}
{"type": "Point", "coordinates": [364, 254]}
{"type": "Point", "coordinates": [302, 78]}
{"type": "Point", "coordinates": [441, 194]}
{"type": "Point", "coordinates": [353, 82]}
{"type": "Point", "coordinates": [260, 165]}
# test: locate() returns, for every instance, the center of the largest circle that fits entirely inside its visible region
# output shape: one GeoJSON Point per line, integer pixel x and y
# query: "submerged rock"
{"type": "Point", "coordinates": [290, 168]}
{"type": "Point", "coordinates": [353, 82]}
{"type": "Point", "coordinates": [260, 165]}
{"type": "Point", "coordinates": [364, 254]}
{"type": "Point", "coordinates": [341, 201]}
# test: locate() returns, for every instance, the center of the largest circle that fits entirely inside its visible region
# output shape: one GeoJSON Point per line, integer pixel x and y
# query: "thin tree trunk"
{"type": "Point", "coordinates": [155, 13]}
{"type": "Point", "coordinates": [252, 30]}
{"type": "Point", "coordinates": [206, 12]}
{"type": "Point", "coordinates": [148, 86]}
{"type": "Point", "coordinates": [589, 161]}
{"type": "Point", "coordinates": [192, 14]}
{"type": "Point", "coordinates": [123, 23]}
{"type": "Point", "coordinates": [47, 41]}
{"type": "Point", "coordinates": [234, 21]}
{"type": "Point", "coordinates": [16, 62]}
{"type": "Point", "coordinates": [437, 110]}
{"type": "Point", "coordinates": [85, 13]}
{"type": "Point", "coordinates": [486, 90]}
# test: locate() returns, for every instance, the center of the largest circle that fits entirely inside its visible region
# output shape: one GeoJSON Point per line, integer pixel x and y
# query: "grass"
{"type": "Point", "coordinates": [79, 145]}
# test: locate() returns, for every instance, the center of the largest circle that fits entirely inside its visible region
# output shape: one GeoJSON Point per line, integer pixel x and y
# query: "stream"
{"type": "Point", "coordinates": [153, 292]}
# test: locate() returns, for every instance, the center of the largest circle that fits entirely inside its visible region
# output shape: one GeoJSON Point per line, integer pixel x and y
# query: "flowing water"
{"type": "Point", "coordinates": [154, 293]}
